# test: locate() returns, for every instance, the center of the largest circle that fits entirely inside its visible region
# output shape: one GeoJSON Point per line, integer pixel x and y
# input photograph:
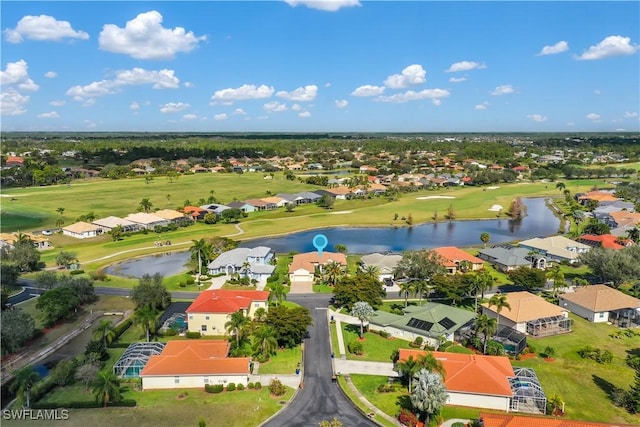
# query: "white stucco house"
{"type": "Point", "coordinates": [601, 303]}
{"type": "Point", "coordinates": [194, 364]}
{"type": "Point", "coordinates": [556, 248]}
{"type": "Point", "coordinates": [82, 230]}
{"type": "Point", "coordinates": [251, 262]}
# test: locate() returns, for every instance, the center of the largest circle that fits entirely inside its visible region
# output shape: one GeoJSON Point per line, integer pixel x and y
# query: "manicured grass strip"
{"type": "Point", "coordinates": [376, 348]}
{"type": "Point", "coordinates": [284, 362]}
{"type": "Point", "coordinates": [354, 398]}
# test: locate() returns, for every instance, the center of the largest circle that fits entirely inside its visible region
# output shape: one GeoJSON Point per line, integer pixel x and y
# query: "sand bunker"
{"type": "Point", "coordinates": [492, 188]}
{"type": "Point", "coordinates": [340, 212]}
{"type": "Point", "coordinates": [496, 208]}
{"type": "Point", "coordinates": [434, 197]}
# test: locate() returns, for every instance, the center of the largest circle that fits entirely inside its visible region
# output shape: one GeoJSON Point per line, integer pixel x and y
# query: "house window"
{"type": "Point", "coordinates": [191, 317]}
{"type": "Point", "coordinates": [256, 304]}
{"type": "Point", "coordinates": [206, 380]}
{"type": "Point", "coordinates": [601, 315]}
{"type": "Point", "coordinates": [176, 380]}
{"type": "Point", "coordinates": [203, 328]}
{"type": "Point", "coordinates": [206, 317]}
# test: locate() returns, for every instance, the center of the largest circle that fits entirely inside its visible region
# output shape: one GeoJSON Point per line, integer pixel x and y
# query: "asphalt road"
{"type": "Point", "coordinates": [320, 398]}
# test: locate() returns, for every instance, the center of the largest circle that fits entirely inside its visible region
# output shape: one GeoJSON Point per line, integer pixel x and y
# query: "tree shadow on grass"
{"type": "Point", "coordinates": [605, 386]}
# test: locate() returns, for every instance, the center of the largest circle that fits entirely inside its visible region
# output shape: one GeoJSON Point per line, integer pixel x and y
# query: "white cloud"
{"type": "Point", "coordinates": [188, 85]}
{"type": "Point", "coordinates": [465, 66]}
{"type": "Point", "coordinates": [480, 107]}
{"type": "Point", "coordinates": [326, 5]}
{"type": "Point", "coordinates": [597, 92]}
{"type": "Point", "coordinates": [537, 118]}
{"type": "Point", "coordinates": [327, 84]}
{"type": "Point", "coordinates": [173, 107]}
{"type": "Point", "coordinates": [13, 103]}
{"type": "Point", "coordinates": [51, 74]}
{"type": "Point", "coordinates": [239, 112]}
{"type": "Point", "coordinates": [368, 90]}
{"type": "Point", "coordinates": [341, 103]}
{"type": "Point", "coordinates": [433, 94]}
{"type": "Point", "coordinates": [609, 46]}
{"type": "Point", "coordinates": [593, 116]}
{"type": "Point", "coordinates": [144, 37]}
{"type": "Point", "coordinates": [161, 79]}
{"type": "Point", "coordinates": [502, 90]}
{"type": "Point", "coordinates": [412, 75]}
{"type": "Point", "coordinates": [275, 107]}
{"type": "Point", "coordinates": [304, 114]}
{"type": "Point", "coordinates": [561, 46]}
{"type": "Point", "coordinates": [41, 28]}
{"type": "Point", "coordinates": [221, 116]}
{"type": "Point", "coordinates": [630, 115]}
{"type": "Point", "coordinates": [296, 107]}
{"type": "Point", "coordinates": [14, 80]}
{"type": "Point", "coordinates": [89, 102]}
{"type": "Point", "coordinates": [134, 106]}
{"type": "Point", "coordinates": [304, 94]}
{"type": "Point", "coordinates": [457, 79]}
{"type": "Point", "coordinates": [242, 93]}
{"type": "Point", "coordinates": [57, 103]}
{"type": "Point", "coordinates": [189, 117]}
{"type": "Point", "coordinates": [50, 115]}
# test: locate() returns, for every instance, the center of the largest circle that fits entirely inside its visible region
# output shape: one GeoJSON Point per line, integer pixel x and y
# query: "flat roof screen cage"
{"type": "Point", "coordinates": [514, 342]}
{"type": "Point", "coordinates": [135, 357]}
{"type": "Point", "coordinates": [527, 393]}
{"type": "Point", "coordinates": [547, 326]}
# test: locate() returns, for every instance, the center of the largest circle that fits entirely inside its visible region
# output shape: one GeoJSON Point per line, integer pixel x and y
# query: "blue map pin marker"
{"type": "Point", "coordinates": [320, 242]}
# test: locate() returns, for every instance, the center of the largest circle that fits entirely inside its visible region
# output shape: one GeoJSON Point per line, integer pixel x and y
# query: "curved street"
{"type": "Point", "coordinates": [320, 398]}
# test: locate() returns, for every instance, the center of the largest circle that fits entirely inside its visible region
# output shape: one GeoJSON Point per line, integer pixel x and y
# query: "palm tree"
{"type": "Point", "coordinates": [23, 381]}
{"type": "Point", "coordinates": [260, 315]}
{"type": "Point", "coordinates": [407, 368]}
{"type": "Point", "coordinates": [500, 302]}
{"type": "Point", "coordinates": [486, 326]}
{"type": "Point", "coordinates": [429, 362]}
{"type": "Point", "coordinates": [106, 388]}
{"type": "Point", "coordinates": [201, 248]}
{"type": "Point", "coordinates": [560, 186]}
{"type": "Point", "coordinates": [557, 276]}
{"type": "Point", "coordinates": [406, 288]}
{"type": "Point", "coordinates": [145, 204]}
{"type": "Point", "coordinates": [237, 322]}
{"type": "Point", "coordinates": [371, 270]}
{"type": "Point", "coordinates": [484, 238]}
{"type": "Point", "coordinates": [264, 341]}
{"type": "Point", "coordinates": [363, 311]}
{"type": "Point", "coordinates": [105, 331]}
{"type": "Point", "coordinates": [277, 292]}
{"type": "Point", "coordinates": [146, 318]}
{"type": "Point", "coordinates": [430, 394]}
{"type": "Point", "coordinates": [333, 271]}
{"type": "Point", "coordinates": [634, 234]}
{"type": "Point", "coordinates": [60, 210]}
{"type": "Point", "coordinates": [420, 287]}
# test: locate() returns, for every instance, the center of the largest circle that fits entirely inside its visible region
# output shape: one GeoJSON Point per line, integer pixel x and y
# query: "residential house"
{"type": "Point", "coordinates": [110, 222]}
{"type": "Point", "coordinates": [624, 219]}
{"type": "Point", "coordinates": [213, 308]}
{"type": "Point", "coordinates": [195, 212]}
{"type": "Point", "coordinates": [147, 220]}
{"type": "Point", "coordinates": [172, 216]}
{"type": "Point", "coordinates": [261, 204]}
{"type": "Point", "coordinates": [368, 169]}
{"type": "Point", "coordinates": [509, 258]}
{"type": "Point", "coordinates": [243, 206]}
{"type": "Point", "coordinates": [194, 364]}
{"type": "Point", "coordinates": [530, 314]}
{"type": "Point", "coordinates": [603, 213]}
{"type": "Point", "coordinates": [510, 420]}
{"type": "Point", "coordinates": [14, 161]}
{"type": "Point", "coordinates": [606, 241]}
{"type": "Point", "coordinates": [307, 197]}
{"type": "Point", "coordinates": [456, 260]}
{"type": "Point", "coordinates": [82, 230]}
{"type": "Point", "coordinates": [247, 262]}
{"type": "Point", "coordinates": [385, 263]}
{"type": "Point", "coordinates": [341, 192]}
{"type": "Point", "coordinates": [556, 248]}
{"type": "Point", "coordinates": [8, 240]}
{"type": "Point", "coordinates": [434, 322]}
{"type": "Point", "coordinates": [601, 303]}
{"type": "Point", "coordinates": [473, 380]}
{"type": "Point", "coordinates": [303, 266]}
{"type": "Point", "coordinates": [278, 201]}
{"type": "Point", "coordinates": [215, 208]}
{"type": "Point", "coordinates": [600, 197]}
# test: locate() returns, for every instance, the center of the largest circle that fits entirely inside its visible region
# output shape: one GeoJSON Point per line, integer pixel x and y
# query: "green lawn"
{"type": "Point", "coordinates": [376, 348]}
{"type": "Point", "coordinates": [247, 408]}
{"type": "Point", "coordinates": [356, 401]}
{"type": "Point", "coordinates": [284, 362]}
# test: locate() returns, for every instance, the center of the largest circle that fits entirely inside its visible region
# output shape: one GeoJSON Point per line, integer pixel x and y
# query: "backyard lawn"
{"type": "Point", "coordinates": [376, 348]}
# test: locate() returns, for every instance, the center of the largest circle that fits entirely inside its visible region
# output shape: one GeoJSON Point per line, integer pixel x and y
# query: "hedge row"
{"type": "Point", "coordinates": [128, 403]}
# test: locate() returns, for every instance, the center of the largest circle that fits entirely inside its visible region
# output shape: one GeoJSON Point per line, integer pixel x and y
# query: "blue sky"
{"type": "Point", "coordinates": [320, 66]}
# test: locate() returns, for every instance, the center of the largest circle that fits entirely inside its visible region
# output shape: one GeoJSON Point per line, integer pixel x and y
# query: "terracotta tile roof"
{"type": "Point", "coordinates": [195, 357]}
{"type": "Point", "coordinates": [599, 298]}
{"type": "Point", "coordinates": [526, 306]}
{"type": "Point", "coordinates": [339, 191]}
{"type": "Point", "coordinates": [168, 214]}
{"type": "Point", "coordinates": [309, 260]}
{"type": "Point", "coordinates": [193, 210]}
{"type": "Point", "coordinates": [607, 241]}
{"type": "Point", "coordinates": [225, 301]}
{"type": "Point", "coordinates": [508, 420]}
{"type": "Point", "coordinates": [599, 196]}
{"type": "Point", "coordinates": [14, 159]}
{"type": "Point", "coordinates": [625, 218]}
{"type": "Point", "coordinates": [471, 373]}
{"type": "Point", "coordinates": [451, 254]}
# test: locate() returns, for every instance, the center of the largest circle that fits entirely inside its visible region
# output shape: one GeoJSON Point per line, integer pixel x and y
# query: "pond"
{"type": "Point", "coordinates": [539, 222]}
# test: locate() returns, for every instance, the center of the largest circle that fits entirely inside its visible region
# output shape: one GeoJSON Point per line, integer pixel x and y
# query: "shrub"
{"type": "Point", "coordinates": [121, 328]}
{"type": "Point", "coordinates": [355, 347]}
{"type": "Point", "coordinates": [385, 388]}
{"type": "Point", "coordinates": [193, 335]}
{"type": "Point", "coordinates": [418, 340]}
{"type": "Point", "coordinates": [240, 386]}
{"type": "Point", "coordinates": [213, 388]}
{"type": "Point", "coordinates": [182, 285]}
{"type": "Point", "coordinates": [98, 275]}
{"type": "Point", "coordinates": [76, 272]}
{"type": "Point", "coordinates": [258, 385]}
{"type": "Point", "coordinates": [494, 348]}
{"type": "Point", "coordinates": [251, 386]}
{"type": "Point", "coordinates": [600, 356]}
{"type": "Point", "coordinates": [277, 388]}
{"type": "Point", "coordinates": [384, 334]}
{"type": "Point", "coordinates": [190, 280]}
{"type": "Point", "coordinates": [231, 387]}
{"type": "Point", "coordinates": [633, 361]}
{"type": "Point", "coordinates": [549, 351]}
{"type": "Point", "coordinates": [408, 418]}
{"type": "Point", "coordinates": [171, 333]}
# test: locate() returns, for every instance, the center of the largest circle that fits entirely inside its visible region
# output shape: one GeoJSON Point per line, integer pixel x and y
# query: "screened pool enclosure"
{"type": "Point", "coordinates": [135, 357]}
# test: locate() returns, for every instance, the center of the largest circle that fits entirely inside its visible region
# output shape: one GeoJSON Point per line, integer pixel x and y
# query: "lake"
{"type": "Point", "coordinates": [539, 222]}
